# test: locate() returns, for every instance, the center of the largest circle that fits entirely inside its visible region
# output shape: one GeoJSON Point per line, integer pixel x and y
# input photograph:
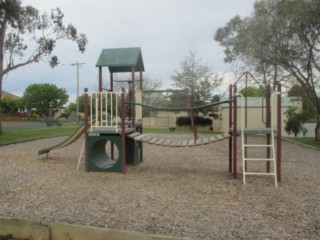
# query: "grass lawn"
{"type": "Point", "coordinates": [307, 141]}
{"type": "Point", "coordinates": [26, 134]}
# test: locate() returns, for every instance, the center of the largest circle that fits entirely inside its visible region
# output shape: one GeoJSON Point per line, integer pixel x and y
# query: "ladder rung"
{"type": "Point", "coordinates": [259, 159]}
{"type": "Point", "coordinates": [261, 145]}
{"type": "Point", "coordinates": [252, 173]}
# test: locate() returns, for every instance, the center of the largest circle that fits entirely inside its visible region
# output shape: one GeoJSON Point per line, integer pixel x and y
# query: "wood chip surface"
{"type": "Point", "coordinates": [186, 192]}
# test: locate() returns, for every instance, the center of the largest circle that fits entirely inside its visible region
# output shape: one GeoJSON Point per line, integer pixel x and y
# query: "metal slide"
{"type": "Point", "coordinates": [72, 138]}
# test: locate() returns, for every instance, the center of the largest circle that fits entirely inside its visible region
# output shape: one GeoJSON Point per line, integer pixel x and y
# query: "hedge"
{"type": "Point", "coordinates": [200, 121]}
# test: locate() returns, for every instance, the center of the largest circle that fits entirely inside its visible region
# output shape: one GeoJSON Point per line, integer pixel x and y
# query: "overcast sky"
{"type": "Point", "coordinates": [165, 30]}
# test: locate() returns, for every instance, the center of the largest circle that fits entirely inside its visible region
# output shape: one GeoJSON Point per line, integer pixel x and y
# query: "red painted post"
{"type": "Point", "coordinates": [100, 90]}
{"type": "Point", "coordinates": [100, 79]}
{"type": "Point", "coordinates": [246, 121]}
{"type": "Point", "coordinates": [133, 97]}
{"type": "Point", "coordinates": [141, 85]}
{"type": "Point", "coordinates": [111, 81]}
{"type": "Point", "coordinates": [123, 131]}
{"type": "Point", "coordinates": [230, 127]}
{"type": "Point", "coordinates": [268, 123]}
{"type": "Point", "coordinates": [234, 136]}
{"type": "Point", "coordinates": [86, 127]}
{"type": "Point", "coordinates": [133, 108]}
{"type": "Point", "coordinates": [111, 90]}
{"type": "Point", "coordinates": [279, 116]}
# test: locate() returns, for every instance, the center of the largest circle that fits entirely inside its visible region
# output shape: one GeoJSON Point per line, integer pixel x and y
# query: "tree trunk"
{"type": "Point", "coordinates": [1, 131]}
{"type": "Point", "coordinates": [2, 35]}
{"type": "Point", "coordinates": [317, 130]}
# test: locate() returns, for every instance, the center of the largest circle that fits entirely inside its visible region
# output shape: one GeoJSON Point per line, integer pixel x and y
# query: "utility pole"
{"type": "Point", "coordinates": [78, 66]}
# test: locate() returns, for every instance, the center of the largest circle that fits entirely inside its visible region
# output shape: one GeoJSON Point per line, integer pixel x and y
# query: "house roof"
{"type": "Point", "coordinates": [121, 59]}
{"type": "Point", "coordinates": [258, 101]}
{"type": "Point", "coordinates": [10, 95]}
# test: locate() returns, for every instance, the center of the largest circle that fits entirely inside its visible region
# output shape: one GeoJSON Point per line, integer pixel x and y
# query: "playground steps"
{"type": "Point", "coordinates": [271, 160]}
{"type": "Point", "coordinates": [269, 132]}
{"type": "Point", "coordinates": [141, 137]}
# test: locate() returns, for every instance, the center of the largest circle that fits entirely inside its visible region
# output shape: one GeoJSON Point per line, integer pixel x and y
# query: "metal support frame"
{"type": "Point", "coordinates": [123, 132]}
{"type": "Point", "coordinates": [234, 130]}
{"type": "Point", "coordinates": [234, 135]}
{"type": "Point", "coordinates": [279, 148]}
{"type": "Point", "coordinates": [86, 127]}
{"type": "Point", "coordinates": [230, 126]}
{"type": "Point", "coordinates": [268, 145]}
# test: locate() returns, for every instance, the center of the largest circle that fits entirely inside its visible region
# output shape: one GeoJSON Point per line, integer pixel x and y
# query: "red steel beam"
{"type": "Point", "coordinates": [268, 123]}
{"type": "Point", "coordinates": [234, 135]}
{"type": "Point", "coordinates": [86, 127]}
{"type": "Point", "coordinates": [123, 132]}
{"type": "Point", "coordinates": [230, 126]}
{"type": "Point", "coordinates": [279, 134]}
{"type": "Point", "coordinates": [100, 79]}
{"type": "Point", "coordinates": [133, 98]}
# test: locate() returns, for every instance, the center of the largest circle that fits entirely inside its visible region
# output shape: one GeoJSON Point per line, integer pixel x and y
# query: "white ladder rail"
{"type": "Point", "coordinates": [80, 156]}
{"type": "Point", "coordinates": [272, 145]}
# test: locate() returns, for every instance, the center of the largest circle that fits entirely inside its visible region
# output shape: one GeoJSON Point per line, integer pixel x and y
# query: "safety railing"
{"type": "Point", "coordinates": [104, 109]}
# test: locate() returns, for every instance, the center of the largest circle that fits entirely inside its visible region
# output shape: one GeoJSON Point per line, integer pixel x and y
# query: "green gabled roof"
{"type": "Point", "coordinates": [121, 59]}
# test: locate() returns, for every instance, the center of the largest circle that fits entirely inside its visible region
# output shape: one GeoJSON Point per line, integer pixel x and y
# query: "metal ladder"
{"type": "Point", "coordinates": [270, 131]}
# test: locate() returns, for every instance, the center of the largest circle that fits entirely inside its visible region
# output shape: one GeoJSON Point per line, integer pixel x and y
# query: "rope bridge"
{"type": "Point", "coordinates": [142, 137]}
{"type": "Point", "coordinates": [178, 143]}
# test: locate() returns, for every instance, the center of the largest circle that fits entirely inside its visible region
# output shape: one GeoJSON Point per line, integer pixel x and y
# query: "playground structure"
{"type": "Point", "coordinates": [108, 114]}
{"type": "Point", "coordinates": [114, 137]}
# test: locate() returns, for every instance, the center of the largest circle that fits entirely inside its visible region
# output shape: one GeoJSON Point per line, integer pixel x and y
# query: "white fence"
{"type": "Point", "coordinates": [310, 127]}
{"type": "Point", "coordinates": [159, 122]}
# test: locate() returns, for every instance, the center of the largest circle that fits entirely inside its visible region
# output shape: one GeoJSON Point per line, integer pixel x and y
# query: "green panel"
{"type": "Point", "coordinates": [98, 161]}
{"type": "Point", "coordinates": [133, 152]}
{"type": "Point", "coordinates": [121, 59]}
{"type": "Point", "coordinates": [97, 158]}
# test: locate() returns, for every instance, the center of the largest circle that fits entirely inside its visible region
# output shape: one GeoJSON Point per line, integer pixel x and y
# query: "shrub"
{"type": "Point", "coordinates": [294, 121]}
{"type": "Point", "coordinates": [198, 121]}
